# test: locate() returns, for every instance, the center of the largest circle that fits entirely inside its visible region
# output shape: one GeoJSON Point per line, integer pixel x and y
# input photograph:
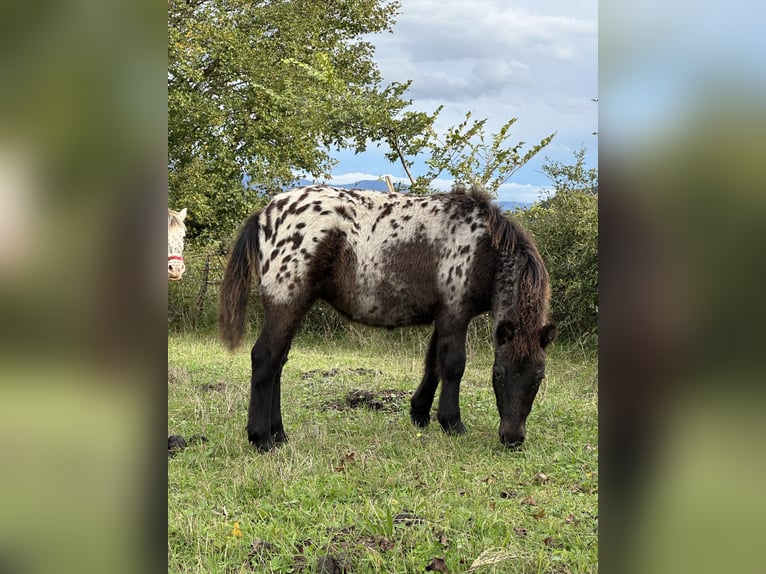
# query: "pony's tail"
{"type": "Point", "coordinates": [235, 288]}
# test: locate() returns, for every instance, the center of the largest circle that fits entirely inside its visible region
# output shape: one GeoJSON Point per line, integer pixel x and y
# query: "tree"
{"type": "Point", "coordinates": [260, 91]}
{"type": "Point", "coordinates": [463, 151]}
{"type": "Point", "coordinates": [572, 177]}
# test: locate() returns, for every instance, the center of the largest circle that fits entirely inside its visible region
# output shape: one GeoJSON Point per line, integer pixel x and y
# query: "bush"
{"type": "Point", "coordinates": [565, 228]}
{"type": "Point", "coordinates": [193, 301]}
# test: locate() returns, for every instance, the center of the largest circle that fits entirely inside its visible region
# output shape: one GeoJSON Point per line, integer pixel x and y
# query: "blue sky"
{"type": "Point", "coordinates": [535, 61]}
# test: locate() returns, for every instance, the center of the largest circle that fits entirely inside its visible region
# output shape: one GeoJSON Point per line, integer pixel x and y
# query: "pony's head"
{"type": "Point", "coordinates": [516, 377]}
{"type": "Point", "coordinates": [176, 233]}
{"type": "Point", "coordinates": [522, 330]}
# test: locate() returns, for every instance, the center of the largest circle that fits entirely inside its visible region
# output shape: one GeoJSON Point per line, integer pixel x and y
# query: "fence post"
{"type": "Point", "coordinates": [202, 290]}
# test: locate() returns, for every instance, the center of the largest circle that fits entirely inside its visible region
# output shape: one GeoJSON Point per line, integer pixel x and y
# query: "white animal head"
{"type": "Point", "coordinates": [176, 234]}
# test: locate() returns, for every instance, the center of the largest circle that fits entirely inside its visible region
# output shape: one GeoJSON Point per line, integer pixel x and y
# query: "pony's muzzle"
{"type": "Point", "coordinates": [176, 268]}
{"type": "Point", "coordinates": [512, 436]}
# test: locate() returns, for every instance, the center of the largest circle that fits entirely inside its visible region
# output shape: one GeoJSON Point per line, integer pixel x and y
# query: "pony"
{"type": "Point", "coordinates": [390, 260]}
{"type": "Point", "coordinates": [176, 234]}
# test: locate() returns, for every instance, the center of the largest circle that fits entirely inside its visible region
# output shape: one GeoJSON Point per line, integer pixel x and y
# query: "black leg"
{"type": "Point", "coordinates": [423, 397]}
{"type": "Point", "coordinates": [277, 429]}
{"type": "Point", "coordinates": [264, 391]}
{"type": "Point", "coordinates": [451, 363]}
{"type": "Point", "coordinates": [264, 424]}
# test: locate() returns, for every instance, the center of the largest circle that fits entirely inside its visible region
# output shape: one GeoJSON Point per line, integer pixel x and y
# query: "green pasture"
{"type": "Point", "coordinates": [358, 488]}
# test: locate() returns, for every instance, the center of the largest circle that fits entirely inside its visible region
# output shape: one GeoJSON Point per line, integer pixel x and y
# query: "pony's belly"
{"type": "Point", "coordinates": [388, 312]}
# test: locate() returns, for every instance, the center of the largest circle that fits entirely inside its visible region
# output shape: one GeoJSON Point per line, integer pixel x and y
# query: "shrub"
{"type": "Point", "coordinates": [565, 228]}
{"type": "Point", "coordinates": [193, 301]}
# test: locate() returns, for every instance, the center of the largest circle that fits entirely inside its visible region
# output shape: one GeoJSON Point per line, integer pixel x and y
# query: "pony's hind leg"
{"type": "Point", "coordinates": [423, 397]}
{"type": "Point", "coordinates": [277, 428]}
{"type": "Point", "coordinates": [264, 370]}
{"type": "Point", "coordinates": [269, 354]}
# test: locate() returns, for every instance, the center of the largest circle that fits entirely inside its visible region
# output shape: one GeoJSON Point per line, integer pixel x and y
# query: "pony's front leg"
{"type": "Point", "coordinates": [451, 361]}
{"type": "Point", "coordinates": [423, 397]}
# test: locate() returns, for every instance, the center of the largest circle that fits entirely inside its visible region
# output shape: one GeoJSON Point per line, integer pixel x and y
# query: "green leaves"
{"type": "Point", "coordinates": [464, 152]}
{"type": "Point", "coordinates": [262, 92]}
{"type": "Point", "coordinates": [259, 92]}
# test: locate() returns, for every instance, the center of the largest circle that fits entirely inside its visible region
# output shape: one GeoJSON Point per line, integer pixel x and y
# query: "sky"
{"type": "Point", "coordinates": [663, 72]}
{"type": "Point", "coordinates": [499, 59]}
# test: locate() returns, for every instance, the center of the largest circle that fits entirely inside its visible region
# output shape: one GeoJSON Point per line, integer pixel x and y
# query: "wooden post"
{"type": "Point", "coordinates": [202, 289]}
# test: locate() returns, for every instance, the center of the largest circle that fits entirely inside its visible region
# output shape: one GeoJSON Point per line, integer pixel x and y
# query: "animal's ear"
{"type": "Point", "coordinates": [547, 334]}
{"type": "Point", "coordinates": [504, 333]}
{"type": "Point", "coordinates": [182, 214]}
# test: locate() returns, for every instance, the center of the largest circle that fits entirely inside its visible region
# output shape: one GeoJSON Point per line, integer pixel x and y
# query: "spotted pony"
{"type": "Point", "coordinates": [176, 234]}
{"type": "Point", "coordinates": [390, 260]}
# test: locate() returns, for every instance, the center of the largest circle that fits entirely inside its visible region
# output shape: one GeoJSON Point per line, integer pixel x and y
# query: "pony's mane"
{"type": "Point", "coordinates": [532, 302]}
{"type": "Point", "coordinates": [505, 233]}
{"type": "Point", "coordinates": [175, 221]}
{"type": "Point", "coordinates": [533, 290]}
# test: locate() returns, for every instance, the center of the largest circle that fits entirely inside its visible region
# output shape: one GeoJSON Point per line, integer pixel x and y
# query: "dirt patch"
{"type": "Point", "coordinates": [333, 565]}
{"type": "Point", "coordinates": [407, 518]}
{"type": "Point", "coordinates": [176, 443]}
{"type": "Point", "coordinates": [387, 400]}
{"type": "Point", "coordinates": [177, 375]}
{"type": "Point", "coordinates": [215, 387]}
{"type": "Point", "coordinates": [341, 554]}
{"type": "Point", "coordinates": [260, 554]}
{"type": "Point", "coordinates": [334, 373]}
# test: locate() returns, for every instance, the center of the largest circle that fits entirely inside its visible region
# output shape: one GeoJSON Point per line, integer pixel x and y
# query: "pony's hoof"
{"type": "Point", "coordinates": [453, 427]}
{"type": "Point", "coordinates": [279, 437]}
{"type": "Point", "coordinates": [263, 446]}
{"type": "Point", "coordinates": [420, 421]}
{"type": "Point", "coordinates": [261, 443]}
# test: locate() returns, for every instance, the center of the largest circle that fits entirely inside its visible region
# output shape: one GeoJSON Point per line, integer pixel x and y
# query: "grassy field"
{"type": "Point", "coordinates": [359, 489]}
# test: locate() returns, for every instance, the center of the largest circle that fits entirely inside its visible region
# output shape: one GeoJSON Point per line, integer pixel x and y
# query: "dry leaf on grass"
{"type": "Point", "coordinates": [437, 565]}
{"type": "Point", "coordinates": [490, 557]}
{"type": "Point", "coordinates": [542, 478]}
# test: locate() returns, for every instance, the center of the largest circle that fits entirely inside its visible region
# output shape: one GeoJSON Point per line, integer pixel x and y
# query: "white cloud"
{"type": "Point", "coordinates": [502, 50]}
{"type": "Point", "coordinates": [499, 59]}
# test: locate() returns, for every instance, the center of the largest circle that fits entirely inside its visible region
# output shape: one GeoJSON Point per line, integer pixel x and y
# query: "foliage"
{"type": "Point", "coordinates": [258, 92]}
{"type": "Point", "coordinates": [193, 302]}
{"type": "Point", "coordinates": [565, 228]}
{"type": "Point", "coordinates": [365, 486]}
{"type": "Point", "coordinates": [464, 152]}
{"type": "Point", "coordinates": [572, 177]}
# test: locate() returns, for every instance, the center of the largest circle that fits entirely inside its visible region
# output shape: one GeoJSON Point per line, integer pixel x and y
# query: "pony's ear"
{"type": "Point", "coordinates": [547, 334]}
{"type": "Point", "coordinates": [504, 333]}
{"type": "Point", "coordinates": [182, 214]}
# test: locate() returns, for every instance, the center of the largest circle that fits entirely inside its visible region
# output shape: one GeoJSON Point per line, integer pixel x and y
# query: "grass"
{"type": "Point", "coordinates": [363, 490]}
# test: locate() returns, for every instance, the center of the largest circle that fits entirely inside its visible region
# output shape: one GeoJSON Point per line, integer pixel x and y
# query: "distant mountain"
{"type": "Point", "coordinates": [511, 205]}
{"type": "Point", "coordinates": [376, 185]}
{"type": "Point", "coordinates": [371, 184]}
